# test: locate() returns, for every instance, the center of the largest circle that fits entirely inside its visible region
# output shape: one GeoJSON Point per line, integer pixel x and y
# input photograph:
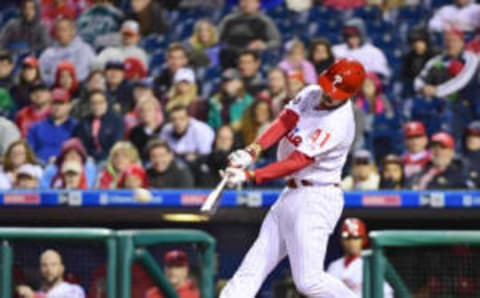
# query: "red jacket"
{"type": "Point", "coordinates": [189, 290]}
{"type": "Point", "coordinates": [27, 117]}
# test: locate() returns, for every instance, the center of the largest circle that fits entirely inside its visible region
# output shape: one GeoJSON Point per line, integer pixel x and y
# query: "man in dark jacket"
{"type": "Point", "coordinates": [472, 151]}
{"type": "Point", "coordinates": [249, 68]}
{"type": "Point", "coordinates": [102, 129]}
{"type": "Point", "coordinates": [166, 171]}
{"type": "Point", "coordinates": [119, 89]}
{"type": "Point", "coordinates": [25, 33]}
{"type": "Point", "coordinates": [444, 171]}
{"type": "Point", "coordinates": [6, 70]}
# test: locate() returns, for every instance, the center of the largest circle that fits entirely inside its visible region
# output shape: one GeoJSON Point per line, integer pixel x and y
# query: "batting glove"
{"type": "Point", "coordinates": [237, 176]}
{"type": "Point", "coordinates": [243, 158]}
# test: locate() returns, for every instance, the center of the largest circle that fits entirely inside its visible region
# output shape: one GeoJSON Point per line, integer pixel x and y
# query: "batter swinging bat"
{"type": "Point", "coordinates": [210, 205]}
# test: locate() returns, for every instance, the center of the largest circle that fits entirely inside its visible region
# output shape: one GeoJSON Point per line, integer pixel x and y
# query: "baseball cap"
{"type": "Point", "coordinates": [474, 128]}
{"type": "Point", "coordinates": [353, 226]}
{"type": "Point", "coordinates": [60, 94]}
{"type": "Point", "coordinates": [130, 27]}
{"type": "Point", "coordinates": [115, 64]}
{"type": "Point", "coordinates": [72, 166]}
{"type": "Point", "coordinates": [414, 129]}
{"type": "Point", "coordinates": [177, 258]}
{"type": "Point", "coordinates": [134, 68]}
{"type": "Point", "coordinates": [362, 156]}
{"type": "Point", "coordinates": [184, 75]}
{"type": "Point", "coordinates": [39, 86]}
{"type": "Point", "coordinates": [30, 61]}
{"type": "Point", "coordinates": [392, 159]}
{"type": "Point", "coordinates": [6, 55]}
{"type": "Point", "coordinates": [297, 75]}
{"type": "Point", "coordinates": [30, 170]}
{"type": "Point", "coordinates": [444, 139]}
{"type": "Point", "coordinates": [231, 74]}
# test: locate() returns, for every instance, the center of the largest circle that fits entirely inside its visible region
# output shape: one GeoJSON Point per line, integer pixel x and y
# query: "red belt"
{"type": "Point", "coordinates": [292, 183]}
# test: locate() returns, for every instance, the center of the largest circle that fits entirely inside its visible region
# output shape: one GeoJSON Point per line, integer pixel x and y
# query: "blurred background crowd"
{"type": "Point", "coordinates": [157, 93]}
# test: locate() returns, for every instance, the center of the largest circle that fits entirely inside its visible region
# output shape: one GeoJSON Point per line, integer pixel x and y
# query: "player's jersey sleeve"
{"type": "Point", "coordinates": [306, 99]}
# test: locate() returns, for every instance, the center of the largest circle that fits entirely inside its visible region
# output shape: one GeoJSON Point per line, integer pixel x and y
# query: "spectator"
{"type": "Point", "coordinates": [7, 65]}
{"type": "Point", "coordinates": [184, 90]}
{"type": "Point", "coordinates": [344, 4]}
{"type": "Point", "coordinates": [207, 169]}
{"type": "Point", "coordinates": [69, 47]}
{"type": "Point", "coordinates": [166, 171]}
{"type": "Point", "coordinates": [28, 177]}
{"type": "Point", "coordinates": [9, 133]}
{"type": "Point", "coordinates": [358, 47]}
{"type": "Point", "coordinates": [95, 82]}
{"type": "Point", "coordinates": [29, 76]}
{"type": "Point", "coordinates": [462, 14]}
{"type": "Point", "coordinates": [72, 150]}
{"type": "Point", "coordinates": [134, 176]}
{"type": "Point", "coordinates": [16, 155]}
{"type": "Point", "coordinates": [177, 271]}
{"type": "Point", "coordinates": [295, 83]}
{"type": "Point", "coordinates": [47, 136]}
{"type": "Point", "coordinates": [416, 155]}
{"type": "Point", "coordinates": [392, 173]}
{"type": "Point", "coordinates": [25, 33]}
{"type": "Point", "coordinates": [122, 155]}
{"type": "Point", "coordinates": [150, 15]}
{"type": "Point", "coordinates": [248, 28]}
{"type": "Point", "coordinates": [296, 61]}
{"type": "Point", "coordinates": [99, 22]}
{"type": "Point", "coordinates": [472, 151]}
{"type": "Point", "coordinates": [321, 55]}
{"type": "Point", "coordinates": [130, 32]}
{"type": "Point", "coordinates": [229, 104]}
{"type": "Point", "coordinates": [421, 50]}
{"type": "Point", "coordinates": [202, 46]}
{"type": "Point", "coordinates": [102, 129]}
{"type": "Point", "coordinates": [135, 69]}
{"type": "Point", "coordinates": [187, 136]}
{"type": "Point", "coordinates": [7, 106]}
{"type": "Point", "coordinates": [176, 58]}
{"type": "Point", "coordinates": [150, 117]}
{"type": "Point", "coordinates": [443, 171]}
{"type": "Point", "coordinates": [72, 176]}
{"type": "Point", "coordinates": [119, 89]}
{"type": "Point", "coordinates": [249, 67]}
{"type": "Point", "coordinates": [51, 270]}
{"type": "Point", "coordinates": [52, 10]}
{"type": "Point", "coordinates": [38, 110]}
{"type": "Point", "coordinates": [256, 119]}
{"type": "Point", "coordinates": [364, 174]}
{"type": "Point", "coordinates": [349, 268]}
{"type": "Point", "coordinates": [66, 78]}
{"type": "Point", "coordinates": [276, 93]}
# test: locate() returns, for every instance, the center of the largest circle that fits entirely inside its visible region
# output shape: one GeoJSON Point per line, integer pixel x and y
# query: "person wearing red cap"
{"type": "Point", "coordinates": [349, 268]}
{"type": "Point", "coordinates": [443, 171]}
{"type": "Point", "coordinates": [28, 77]}
{"type": "Point", "coordinates": [295, 83]}
{"type": "Point", "coordinates": [416, 155]}
{"type": "Point", "coordinates": [47, 136]}
{"type": "Point", "coordinates": [134, 176]}
{"type": "Point", "coordinates": [315, 132]}
{"type": "Point", "coordinates": [177, 271]}
{"type": "Point", "coordinates": [66, 78]}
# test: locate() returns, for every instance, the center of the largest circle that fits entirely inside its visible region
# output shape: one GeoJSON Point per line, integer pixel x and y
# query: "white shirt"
{"type": "Point", "coordinates": [325, 135]}
{"type": "Point", "coordinates": [352, 276]}
{"type": "Point", "coordinates": [121, 53]}
{"type": "Point", "coordinates": [372, 58]}
{"type": "Point", "coordinates": [198, 138]}
{"type": "Point", "coordinates": [466, 18]}
{"type": "Point", "coordinates": [64, 290]}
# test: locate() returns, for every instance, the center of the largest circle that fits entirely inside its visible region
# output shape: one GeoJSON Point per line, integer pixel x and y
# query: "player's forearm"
{"type": "Point", "coordinates": [286, 121]}
{"type": "Point", "coordinates": [295, 162]}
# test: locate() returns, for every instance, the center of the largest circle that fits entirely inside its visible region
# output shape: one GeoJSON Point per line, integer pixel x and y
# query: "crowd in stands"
{"type": "Point", "coordinates": [155, 93]}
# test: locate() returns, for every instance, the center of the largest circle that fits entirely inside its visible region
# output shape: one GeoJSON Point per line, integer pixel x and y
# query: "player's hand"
{"type": "Point", "coordinates": [235, 176]}
{"type": "Point", "coordinates": [25, 291]}
{"type": "Point", "coordinates": [240, 159]}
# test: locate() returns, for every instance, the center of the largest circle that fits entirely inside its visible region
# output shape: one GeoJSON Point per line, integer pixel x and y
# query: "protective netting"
{"type": "Point", "coordinates": [84, 263]}
{"type": "Point", "coordinates": [440, 271]}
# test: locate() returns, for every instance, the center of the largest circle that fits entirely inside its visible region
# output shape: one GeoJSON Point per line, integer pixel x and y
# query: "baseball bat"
{"type": "Point", "coordinates": [212, 202]}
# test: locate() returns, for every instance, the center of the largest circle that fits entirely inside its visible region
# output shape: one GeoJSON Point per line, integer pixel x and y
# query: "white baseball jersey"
{"type": "Point", "coordinates": [352, 276]}
{"type": "Point", "coordinates": [64, 290]}
{"type": "Point", "coordinates": [325, 135]}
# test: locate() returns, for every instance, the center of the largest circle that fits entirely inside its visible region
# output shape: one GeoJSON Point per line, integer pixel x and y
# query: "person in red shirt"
{"type": "Point", "coordinates": [38, 110]}
{"type": "Point", "coordinates": [177, 270]}
{"type": "Point", "coordinates": [417, 155]}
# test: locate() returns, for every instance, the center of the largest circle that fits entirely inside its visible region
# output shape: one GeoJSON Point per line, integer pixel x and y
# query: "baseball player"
{"type": "Point", "coordinates": [349, 268]}
{"type": "Point", "coordinates": [315, 132]}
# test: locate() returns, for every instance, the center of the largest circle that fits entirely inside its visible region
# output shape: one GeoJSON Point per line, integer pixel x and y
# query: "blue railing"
{"type": "Point", "coordinates": [251, 198]}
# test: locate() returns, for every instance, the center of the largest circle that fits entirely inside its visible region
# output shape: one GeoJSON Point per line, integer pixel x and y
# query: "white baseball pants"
{"type": "Point", "coordinates": [297, 225]}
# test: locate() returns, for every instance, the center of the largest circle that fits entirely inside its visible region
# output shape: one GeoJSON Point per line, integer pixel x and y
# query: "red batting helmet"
{"type": "Point", "coordinates": [342, 79]}
{"type": "Point", "coordinates": [354, 227]}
